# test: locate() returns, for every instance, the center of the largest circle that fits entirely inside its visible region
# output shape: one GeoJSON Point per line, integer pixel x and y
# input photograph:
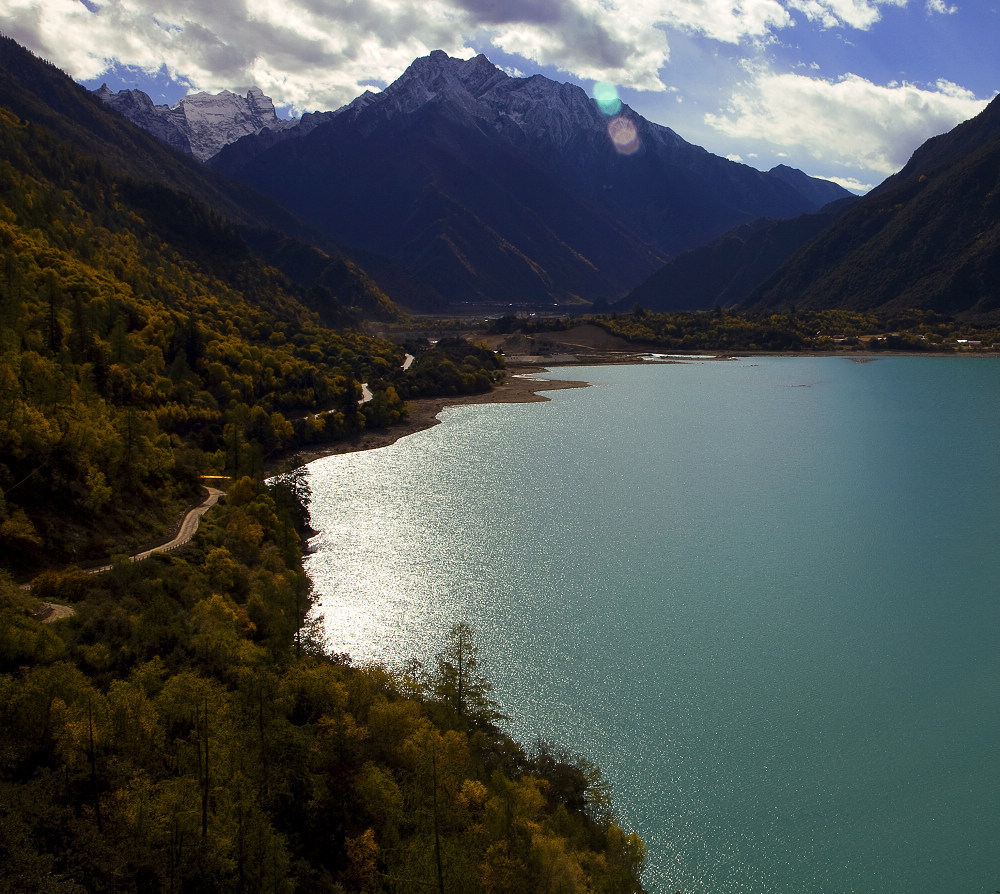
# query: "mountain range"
{"type": "Point", "coordinates": [493, 189]}
{"type": "Point", "coordinates": [460, 185]}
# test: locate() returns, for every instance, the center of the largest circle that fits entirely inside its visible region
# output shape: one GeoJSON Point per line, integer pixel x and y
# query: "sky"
{"type": "Point", "coordinates": [843, 89]}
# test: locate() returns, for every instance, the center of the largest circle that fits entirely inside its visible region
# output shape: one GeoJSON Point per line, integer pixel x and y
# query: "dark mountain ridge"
{"type": "Point", "coordinates": [926, 238]}
{"type": "Point", "coordinates": [727, 270]}
{"type": "Point", "coordinates": [510, 190]}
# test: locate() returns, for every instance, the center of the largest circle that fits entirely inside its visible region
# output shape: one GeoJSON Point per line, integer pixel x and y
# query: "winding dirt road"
{"type": "Point", "coordinates": [189, 525]}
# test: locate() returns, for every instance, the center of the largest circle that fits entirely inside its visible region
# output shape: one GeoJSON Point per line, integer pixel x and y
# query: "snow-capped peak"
{"type": "Point", "coordinates": [481, 90]}
{"type": "Point", "coordinates": [201, 123]}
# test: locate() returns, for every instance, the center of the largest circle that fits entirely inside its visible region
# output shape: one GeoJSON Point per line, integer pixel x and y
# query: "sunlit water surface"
{"type": "Point", "coordinates": [762, 595]}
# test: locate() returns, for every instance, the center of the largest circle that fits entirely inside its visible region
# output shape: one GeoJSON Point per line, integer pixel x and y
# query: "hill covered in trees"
{"type": "Point", "coordinates": [184, 729]}
{"type": "Point", "coordinates": [183, 732]}
{"type": "Point", "coordinates": [143, 344]}
{"type": "Point", "coordinates": [148, 334]}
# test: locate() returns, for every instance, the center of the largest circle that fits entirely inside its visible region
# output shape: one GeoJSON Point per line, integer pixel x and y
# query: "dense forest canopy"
{"type": "Point", "coordinates": [184, 731]}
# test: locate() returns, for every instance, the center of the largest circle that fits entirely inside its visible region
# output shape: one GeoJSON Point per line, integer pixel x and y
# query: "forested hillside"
{"type": "Point", "coordinates": [183, 733]}
{"type": "Point", "coordinates": [928, 237]}
{"type": "Point", "coordinates": [143, 342]}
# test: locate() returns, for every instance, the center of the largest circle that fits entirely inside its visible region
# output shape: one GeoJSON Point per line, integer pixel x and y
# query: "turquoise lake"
{"type": "Point", "coordinates": [763, 595]}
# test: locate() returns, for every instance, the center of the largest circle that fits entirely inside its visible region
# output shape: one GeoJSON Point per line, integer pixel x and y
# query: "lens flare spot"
{"type": "Point", "coordinates": [606, 97]}
{"type": "Point", "coordinates": [623, 135]}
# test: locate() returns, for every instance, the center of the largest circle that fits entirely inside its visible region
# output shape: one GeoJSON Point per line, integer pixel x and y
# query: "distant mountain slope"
{"type": "Point", "coordinates": [508, 190]}
{"type": "Point", "coordinates": [37, 91]}
{"type": "Point", "coordinates": [928, 237]}
{"type": "Point", "coordinates": [726, 271]}
{"type": "Point", "coordinates": [821, 192]}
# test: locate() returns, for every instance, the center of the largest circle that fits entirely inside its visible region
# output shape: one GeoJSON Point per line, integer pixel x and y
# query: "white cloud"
{"type": "Point", "coordinates": [307, 54]}
{"type": "Point", "coordinates": [322, 53]}
{"type": "Point", "coordinates": [861, 14]}
{"type": "Point", "coordinates": [940, 7]}
{"type": "Point", "coordinates": [733, 21]}
{"type": "Point", "coordinates": [851, 183]}
{"type": "Point", "coordinates": [849, 121]}
{"type": "Point", "coordinates": [729, 21]}
{"type": "Point", "coordinates": [590, 39]}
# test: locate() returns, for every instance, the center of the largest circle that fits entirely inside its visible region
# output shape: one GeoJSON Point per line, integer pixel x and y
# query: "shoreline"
{"type": "Point", "coordinates": [518, 388]}
{"type": "Point", "coordinates": [522, 387]}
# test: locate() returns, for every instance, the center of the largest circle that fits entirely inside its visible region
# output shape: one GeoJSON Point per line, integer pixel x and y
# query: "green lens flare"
{"type": "Point", "coordinates": [606, 97]}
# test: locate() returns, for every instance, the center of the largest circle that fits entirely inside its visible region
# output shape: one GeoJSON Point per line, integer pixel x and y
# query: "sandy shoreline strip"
{"type": "Point", "coordinates": [520, 386]}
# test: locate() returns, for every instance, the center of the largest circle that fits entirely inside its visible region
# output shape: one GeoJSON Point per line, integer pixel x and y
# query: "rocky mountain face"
{"type": "Point", "coordinates": [202, 123]}
{"type": "Point", "coordinates": [500, 190]}
{"type": "Point", "coordinates": [928, 237]}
